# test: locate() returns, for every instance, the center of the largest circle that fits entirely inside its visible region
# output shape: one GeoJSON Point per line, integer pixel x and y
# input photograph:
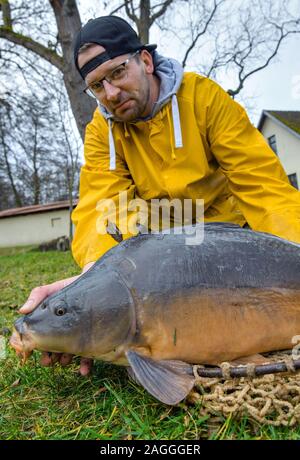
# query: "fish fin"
{"type": "Point", "coordinates": [131, 374]}
{"type": "Point", "coordinates": [168, 381]}
{"type": "Point", "coordinates": [252, 359]}
{"type": "Point", "coordinates": [114, 232]}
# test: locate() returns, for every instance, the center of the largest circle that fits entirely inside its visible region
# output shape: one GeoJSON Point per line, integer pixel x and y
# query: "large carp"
{"type": "Point", "coordinates": [155, 304]}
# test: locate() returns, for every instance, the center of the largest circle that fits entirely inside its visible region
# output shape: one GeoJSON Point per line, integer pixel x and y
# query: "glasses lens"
{"type": "Point", "coordinates": [89, 92]}
{"type": "Point", "coordinates": [119, 74]}
{"type": "Point", "coordinates": [115, 77]}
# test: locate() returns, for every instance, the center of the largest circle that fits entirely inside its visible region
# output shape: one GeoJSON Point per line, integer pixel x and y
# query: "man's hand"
{"type": "Point", "coordinates": [36, 296]}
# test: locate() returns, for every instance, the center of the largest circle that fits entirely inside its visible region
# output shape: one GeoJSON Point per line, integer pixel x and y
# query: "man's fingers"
{"type": "Point", "coordinates": [65, 359]}
{"type": "Point", "coordinates": [38, 294]}
{"type": "Point", "coordinates": [48, 359]}
{"type": "Point", "coordinates": [86, 365]}
{"type": "Point", "coordinates": [55, 357]}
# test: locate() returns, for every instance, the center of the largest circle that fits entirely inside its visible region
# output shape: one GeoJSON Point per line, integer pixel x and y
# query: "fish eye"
{"type": "Point", "coordinates": [60, 311]}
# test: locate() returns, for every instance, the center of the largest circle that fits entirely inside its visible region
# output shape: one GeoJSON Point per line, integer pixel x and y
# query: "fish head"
{"type": "Point", "coordinates": [88, 318]}
{"type": "Point", "coordinates": [47, 328]}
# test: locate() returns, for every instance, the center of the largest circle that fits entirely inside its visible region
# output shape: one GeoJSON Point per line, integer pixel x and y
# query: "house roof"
{"type": "Point", "coordinates": [287, 118]}
{"type": "Point", "coordinates": [38, 208]}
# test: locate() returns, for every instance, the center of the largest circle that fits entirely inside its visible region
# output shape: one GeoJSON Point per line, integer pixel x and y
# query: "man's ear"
{"type": "Point", "coordinates": [147, 59]}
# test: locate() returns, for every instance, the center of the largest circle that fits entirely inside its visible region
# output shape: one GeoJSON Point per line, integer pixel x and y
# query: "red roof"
{"type": "Point", "coordinates": [37, 208]}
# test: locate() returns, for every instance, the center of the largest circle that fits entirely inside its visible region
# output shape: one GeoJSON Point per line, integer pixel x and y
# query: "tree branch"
{"type": "Point", "coordinates": [37, 48]}
{"type": "Point", "coordinates": [131, 14]}
{"type": "Point", "coordinates": [8, 168]}
{"type": "Point", "coordinates": [117, 9]}
{"type": "Point", "coordinates": [161, 11]}
{"type": "Point", "coordinates": [5, 8]}
{"type": "Point", "coordinates": [240, 64]}
{"type": "Point", "coordinates": [24, 59]}
{"type": "Point", "coordinates": [202, 32]}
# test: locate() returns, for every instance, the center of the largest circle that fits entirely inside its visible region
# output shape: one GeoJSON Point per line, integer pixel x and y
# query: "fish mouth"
{"type": "Point", "coordinates": [21, 342]}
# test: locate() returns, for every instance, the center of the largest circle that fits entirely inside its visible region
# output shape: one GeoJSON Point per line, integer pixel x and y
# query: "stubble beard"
{"type": "Point", "coordinates": [138, 110]}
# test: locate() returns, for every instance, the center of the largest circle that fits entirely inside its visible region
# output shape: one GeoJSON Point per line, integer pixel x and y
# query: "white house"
{"type": "Point", "coordinates": [282, 132]}
{"type": "Point", "coordinates": [34, 224]}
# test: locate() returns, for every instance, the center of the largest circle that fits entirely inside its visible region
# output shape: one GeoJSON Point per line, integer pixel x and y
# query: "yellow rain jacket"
{"type": "Point", "coordinates": [223, 160]}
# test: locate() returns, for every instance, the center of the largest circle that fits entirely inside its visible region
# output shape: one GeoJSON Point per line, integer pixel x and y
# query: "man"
{"type": "Point", "coordinates": [160, 133]}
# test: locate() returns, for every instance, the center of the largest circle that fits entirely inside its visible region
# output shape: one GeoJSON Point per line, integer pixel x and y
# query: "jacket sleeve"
{"type": "Point", "coordinates": [98, 183]}
{"type": "Point", "coordinates": [255, 175]}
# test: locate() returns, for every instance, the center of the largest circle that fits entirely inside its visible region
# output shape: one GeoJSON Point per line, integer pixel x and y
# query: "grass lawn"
{"type": "Point", "coordinates": [57, 403]}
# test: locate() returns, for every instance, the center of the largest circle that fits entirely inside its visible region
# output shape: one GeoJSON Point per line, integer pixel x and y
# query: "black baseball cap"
{"type": "Point", "coordinates": [111, 32]}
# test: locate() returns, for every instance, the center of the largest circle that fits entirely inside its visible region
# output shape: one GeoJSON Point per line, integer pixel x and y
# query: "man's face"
{"type": "Point", "coordinates": [130, 99]}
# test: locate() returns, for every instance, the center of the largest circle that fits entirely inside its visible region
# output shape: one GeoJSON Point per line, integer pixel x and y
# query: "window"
{"type": "Point", "coordinates": [272, 143]}
{"type": "Point", "coordinates": [293, 180]}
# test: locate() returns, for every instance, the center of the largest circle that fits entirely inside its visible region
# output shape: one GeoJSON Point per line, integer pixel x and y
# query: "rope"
{"type": "Point", "coordinates": [272, 399]}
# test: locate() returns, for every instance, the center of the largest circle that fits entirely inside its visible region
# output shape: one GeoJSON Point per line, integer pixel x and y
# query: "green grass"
{"type": "Point", "coordinates": [57, 403]}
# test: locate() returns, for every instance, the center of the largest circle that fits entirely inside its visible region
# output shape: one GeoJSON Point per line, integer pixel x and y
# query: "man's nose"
{"type": "Point", "coordinates": [111, 92]}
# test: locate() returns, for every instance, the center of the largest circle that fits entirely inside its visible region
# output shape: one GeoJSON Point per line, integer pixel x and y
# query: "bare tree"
{"type": "Point", "coordinates": [260, 33]}
{"type": "Point", "coordinates": [39, 159]}
{"type": "Point", "coordinates": [57, 52]}
{"type": "Point", "coordinates": [240, 36]}
{"type": "Point", "coordinates": [237, 37]}
{"type": "Point", "coordinates": [6, 202]}
{"type": "Point", "coordinates": [67, 158]}
{"type": "Point", "coordinates": [7, 167]}
{"type": "Point", "coordinates": [143, 14]}
{"type": "Point", "coordinates": [32, 145]}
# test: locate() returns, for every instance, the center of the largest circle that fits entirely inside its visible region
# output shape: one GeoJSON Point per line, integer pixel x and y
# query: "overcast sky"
{"type": "Point", "coordinates": [277, 87]}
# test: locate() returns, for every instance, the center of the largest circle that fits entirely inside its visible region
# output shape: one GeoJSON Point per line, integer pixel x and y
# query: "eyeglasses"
{"type": "Point", "coordinates": [115, 77]}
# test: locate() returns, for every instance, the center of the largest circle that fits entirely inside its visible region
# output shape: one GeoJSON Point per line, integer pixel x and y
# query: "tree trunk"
{"type": "Point", "coordinates": [145, 21]}
{"type": "Point", "coordinates": [36, 179]}
{"type": "Point", "coordinates": [10, 176]}
{"type": "Point", "coordinates": [68, 24]}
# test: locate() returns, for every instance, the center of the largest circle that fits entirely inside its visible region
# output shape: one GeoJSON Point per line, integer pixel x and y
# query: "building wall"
{"type": "Point", "coordinates": [288, 146]}
{"type": "Point", "coordinates": [33, 228]}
